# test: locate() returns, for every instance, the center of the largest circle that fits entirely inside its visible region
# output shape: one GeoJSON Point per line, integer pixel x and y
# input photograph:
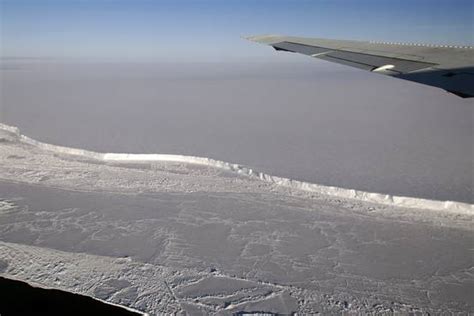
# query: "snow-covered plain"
{"type": "Point", "coordinates": [166, 235]}
{"type": "Point", "coordinates": [305, 120]}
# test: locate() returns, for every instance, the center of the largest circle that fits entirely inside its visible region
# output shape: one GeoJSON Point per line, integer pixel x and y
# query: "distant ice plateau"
{"type": "Point", "coordinates": [294, 120]}
{"type": "Point", "coordinates": [179, 234]}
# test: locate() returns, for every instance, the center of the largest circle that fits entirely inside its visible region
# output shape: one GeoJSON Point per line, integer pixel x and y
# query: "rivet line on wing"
{"type": "Point", "coordinates": [422, 45]}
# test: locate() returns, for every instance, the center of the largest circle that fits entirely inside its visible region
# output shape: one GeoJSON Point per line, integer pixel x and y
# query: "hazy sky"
{"type": "Point", "coordinates": [179, 30]}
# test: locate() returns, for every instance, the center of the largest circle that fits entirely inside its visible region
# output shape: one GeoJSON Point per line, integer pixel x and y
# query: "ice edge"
{"type": "Point", "coordinates": [379, 198]}
{"type": "Point", "coordinates": [42, 286]}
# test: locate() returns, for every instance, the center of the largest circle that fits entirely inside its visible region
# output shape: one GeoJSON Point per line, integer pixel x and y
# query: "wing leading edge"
{"type": "Point", "coordinates": [447, 67]}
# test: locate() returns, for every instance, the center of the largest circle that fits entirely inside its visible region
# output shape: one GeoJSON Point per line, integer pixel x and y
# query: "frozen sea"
{"type": "Point", "coordinates": [304, 120]}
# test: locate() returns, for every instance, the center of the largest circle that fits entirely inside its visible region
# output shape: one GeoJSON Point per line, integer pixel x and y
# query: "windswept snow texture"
{"type": "Point", "coordinates": [307, 121]}
{"type": "Point", "coordinates": [174, 237]}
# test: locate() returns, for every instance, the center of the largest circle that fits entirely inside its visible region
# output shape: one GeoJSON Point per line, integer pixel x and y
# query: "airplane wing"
{"type": "Point", "coordinates": [447, 67]}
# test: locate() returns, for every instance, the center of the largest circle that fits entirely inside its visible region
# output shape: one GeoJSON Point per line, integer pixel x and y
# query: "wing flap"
{"type": "Point", "coordinates": [300, 48]}
{"type": "Point", "coordinates": [355, 59]}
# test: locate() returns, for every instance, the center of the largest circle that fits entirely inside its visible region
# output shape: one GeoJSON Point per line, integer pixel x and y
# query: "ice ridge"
{"type": "Point", "coordinates": [379, 198]}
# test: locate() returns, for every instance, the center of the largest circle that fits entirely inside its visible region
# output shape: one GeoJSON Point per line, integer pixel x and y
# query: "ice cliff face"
{"type": "Point", "coordinates": [13, 133]}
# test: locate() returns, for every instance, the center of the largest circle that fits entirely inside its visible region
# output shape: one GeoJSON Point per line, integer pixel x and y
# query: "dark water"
{"type": "Point", "coordinates": [309, 121]}
{"type": "Point", "coordinates": [20, 298]}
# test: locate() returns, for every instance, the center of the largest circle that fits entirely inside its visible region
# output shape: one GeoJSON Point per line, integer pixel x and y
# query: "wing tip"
{"type": "Point", "coordinates": [263, 38]}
